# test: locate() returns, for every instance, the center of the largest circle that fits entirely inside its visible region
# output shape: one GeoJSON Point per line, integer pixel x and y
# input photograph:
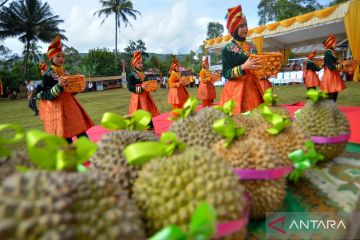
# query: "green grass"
{"type": "Point", "coordinates": [117, 100]}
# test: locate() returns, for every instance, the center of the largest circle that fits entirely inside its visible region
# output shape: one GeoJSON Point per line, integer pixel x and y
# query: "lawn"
{"type": "Point", "coordinates": [117, 100]}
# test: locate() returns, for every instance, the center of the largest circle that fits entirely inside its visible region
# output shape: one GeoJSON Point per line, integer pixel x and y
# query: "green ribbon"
{"type": "Point", "coordinates": [202, 226]}
{"type": "Point", "coordinates": [297, 113]}
{"type": "Point", "coordinates": [188, 108]}
{"type": "Point", "coordinates": [227, 108]}
{"type": "Point", "coordinates": [315, 95]}
{"type": "Point", "coordinates": [278, 122]}
{"type": "Point", "coordinates": [270, 98]}
{"type": "Point", "coordinates": [139, 120]}
{"type": "Point", "coordinates": [17, 137]}
{"type": "Point", "coordinates": [303, 161]}
{"type": "Point", "coordinates": [141, 152]}
{"type": "Point", "coordinates": [226, 127]}
{"type": "Point", "coordinates": [50, 152]}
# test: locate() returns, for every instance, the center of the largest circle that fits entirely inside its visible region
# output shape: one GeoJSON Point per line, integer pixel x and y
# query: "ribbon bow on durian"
{"type": "Point", "coordinates": [269, 98]}
{"type": "Point", "coordinates": [226, 127]}
{"type": "Point", "coordinates": [278, 122]}
{"type": "Point", "coordinates": [139, 120]}
{"type": "Point", "coordinates": [50, 152]}
{"type": "Point", "coordinates": [227, 108]}
{"type": "Point", "coordinates": [315, 95]}
{"type": "Point", "coordinates": [141, 152]}
{"type": "Point", "coordinates": [202, 226]}
{"type": "Point", "coordinates": [303, 161]}
{"type": "Point", "coordinates": [189, 107]}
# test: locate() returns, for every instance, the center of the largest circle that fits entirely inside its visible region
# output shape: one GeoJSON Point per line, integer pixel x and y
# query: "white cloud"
{"type": "Point", "coordinates": [176, 26]}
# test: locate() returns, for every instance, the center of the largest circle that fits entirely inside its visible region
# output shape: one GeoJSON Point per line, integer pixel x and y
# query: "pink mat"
{"type": "Point", "coordinates": [161, 122]}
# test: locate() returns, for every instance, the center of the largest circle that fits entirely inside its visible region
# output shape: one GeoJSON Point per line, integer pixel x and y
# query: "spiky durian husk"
{"type": "Point", "coordinates": [168, 190]}
{"type": "Point", "coordinates": [109, 158]}
{"type": "Point", "coordinates": [324, 119]}
{"type": "Point", "coordinates": [292, 138]}
{"type": "Point", "coordinates": [59, 205]}
{"type": "Point", "coordinates": [197, 130]}
{"type": "Point", "coordinates": [8, 164]}
{"type": "Point", "coordinates": [251, 153]}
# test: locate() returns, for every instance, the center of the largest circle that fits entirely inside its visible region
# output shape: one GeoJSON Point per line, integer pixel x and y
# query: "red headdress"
{"type": "Point", "coordinates": [235, 17]}
{"type": "Point", "coordinates": [311, 55]}
{"type": "Point", "coordinates": [43, 68]}
{"type": "Point", "coordinates": [205, 62]}
{"type": "Point", "coordinates": [329, 41]}
{"type": "Point", "coordinates": [174, 64]}
{"type": "Point", "coordinates": [136, 58]}
{"type": "Point", "coordinates": [54, 47]}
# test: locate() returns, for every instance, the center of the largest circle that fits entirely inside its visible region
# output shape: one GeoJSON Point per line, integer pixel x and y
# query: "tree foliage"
{"type": "Point", "coordinates": [101, 57]}
{"type": "Point", "coordinates": [214, 30]}
{"type": "Point", "coordinates": [277, 10]}
{"type": "Point", "coordinates": [122, 10]}
{"type": "Point", "coordinates": [29, 20]}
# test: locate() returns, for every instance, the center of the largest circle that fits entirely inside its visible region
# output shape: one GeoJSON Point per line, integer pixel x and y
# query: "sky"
{"type": "Point", "coordinates": [166, 26]}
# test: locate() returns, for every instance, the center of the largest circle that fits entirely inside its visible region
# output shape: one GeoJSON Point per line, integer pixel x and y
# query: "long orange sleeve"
{"type": "Point", "coordinates": [174, 80]}
{"type": "Point", "coordinates": [205, 76]}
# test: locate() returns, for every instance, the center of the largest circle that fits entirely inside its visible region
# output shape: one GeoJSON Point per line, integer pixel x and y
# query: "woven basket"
{"type": "Point", "coordinates": [186, 80]}
{"type": "Point", "coordinates": [349, 66]}
{"type": "Point", "coordinates": [76, 83]}
{"type": "Point", "coordinates": [150, 85]}
{"type": "Point", "coordinates": [270, 64]}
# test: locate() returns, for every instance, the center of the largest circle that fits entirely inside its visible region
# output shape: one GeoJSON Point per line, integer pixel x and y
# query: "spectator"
{"type": "Point", "coordinates": [31, 96]}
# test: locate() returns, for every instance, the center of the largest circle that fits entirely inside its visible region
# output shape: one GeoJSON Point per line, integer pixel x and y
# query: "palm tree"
{"type": "Point", "coordinates": [29, 20]}
{"type": "Point", "coordinates": [122, 9]}
{"type": "Point", "coordinates": [34, 54]}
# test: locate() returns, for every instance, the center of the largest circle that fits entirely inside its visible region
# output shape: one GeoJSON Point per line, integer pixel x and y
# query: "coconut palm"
{"type": "Point", "coordinates": [34, 54]}
{"type": "Point", "coordinates": [29, 20]}
{"type": "Point", "coordinates": [122, 9]}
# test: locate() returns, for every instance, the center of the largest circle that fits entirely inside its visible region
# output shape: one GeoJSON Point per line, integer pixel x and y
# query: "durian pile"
{"type": "Point", "coordinates": [120, 199]}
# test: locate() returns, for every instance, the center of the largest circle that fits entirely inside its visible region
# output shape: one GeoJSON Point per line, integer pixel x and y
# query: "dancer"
{"type": "Point", "coordinates": [242, 86]}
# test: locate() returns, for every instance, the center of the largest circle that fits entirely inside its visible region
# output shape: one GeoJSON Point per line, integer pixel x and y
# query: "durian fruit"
{"type": "Point", "coordinates": [110, 160]}
{"type": "Point", "coordinates": [252, 153]}
{"type": "Point", "coordinates": [59, 205]}
{"type": "Point", "coordinates": [248, 122]}
{"type": "Point", "coordinates": [324, 119]}
{"type": "Point", "coordinates": [292, 138]}
{"type": "Point", "coordinates": [168, 190]}
{"type": "Point", "coordinates": [8, 164]}
{"type": "Point", "coordinates": [197, 130]}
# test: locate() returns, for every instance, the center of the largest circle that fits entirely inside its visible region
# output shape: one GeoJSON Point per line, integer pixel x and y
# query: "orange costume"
{"type": "Point", "coordinates": [61, 112]}
{"type": "Point", "coordinates": [177, 91]}
{"type": "Point", "coordinates": [311, 78]}
{"type": "Point", "coordinates": [331, 81]}
{"type": "Point", "coordinates": [139, 99]}
{"type": "Point", "coordinates": [206, 91]}
{"type": "Point", "coordinates": [242, 86]}
{"type": "Point", "coordinates": [265, 84]}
